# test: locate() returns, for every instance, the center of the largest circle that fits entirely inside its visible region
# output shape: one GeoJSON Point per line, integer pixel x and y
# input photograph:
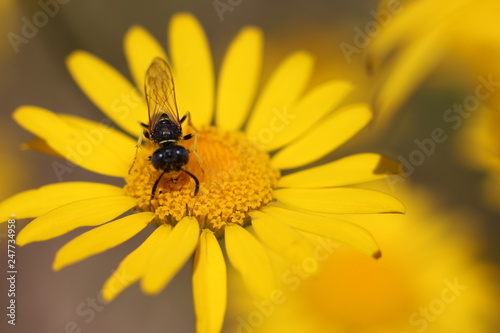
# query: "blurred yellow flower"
{"type": "Point", "coordinates": [479, 147]}
{"type": "Point", "coordinates": [240, 182]}
{"type": "Point", "coordinates": [427, 33]}
{"type": "Point", "coordinates": [430, 279]}
{"type": "Point", "coordinates": [463, 37]}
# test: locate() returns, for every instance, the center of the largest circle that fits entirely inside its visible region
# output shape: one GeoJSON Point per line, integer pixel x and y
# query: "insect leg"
{"type": "Point", "coordinates": [144, 133]}
{"type": "Point", "coordinates": [153, 191]}
{"type": "Point", "coordinates": [187, 116]}
{"type": "Point", "coordinates": [195, 146]}
{"type": "Point", "coordinates": [196, 181]}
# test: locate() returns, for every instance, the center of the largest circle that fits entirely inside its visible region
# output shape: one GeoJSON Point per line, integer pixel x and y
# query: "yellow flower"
{"type": "Point", "coordinates": [430, 279]}
{"type": "Point", "coordinates": [240, 183]}
{"type": "Point", "coordinates": [479, 147]}
{"type": "Point", "coordinates": [424, 34]}
{"type": "Point", "coordinates": [463, 38]}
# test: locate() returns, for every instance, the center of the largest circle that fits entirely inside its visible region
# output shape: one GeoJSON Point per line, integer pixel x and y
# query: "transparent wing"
{"type": "Point", "coordinates": [160, 93]}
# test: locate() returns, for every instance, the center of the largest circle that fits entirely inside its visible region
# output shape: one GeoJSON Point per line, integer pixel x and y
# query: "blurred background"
{"type": "Point", "coordinates": [448, 211]}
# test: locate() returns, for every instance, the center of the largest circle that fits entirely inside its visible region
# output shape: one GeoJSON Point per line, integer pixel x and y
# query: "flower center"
{"type": "Point", "coordinates": [345, 299]}
{"type": "Point", "coordinates": [235, 177]}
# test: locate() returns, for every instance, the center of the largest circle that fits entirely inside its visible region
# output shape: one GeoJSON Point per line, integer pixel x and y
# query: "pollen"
{"type": "Point", "coordinates": [235, 178]}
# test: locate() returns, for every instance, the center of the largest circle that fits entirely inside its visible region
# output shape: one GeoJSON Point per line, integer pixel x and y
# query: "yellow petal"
{"type": "Point", "coordinates": [87, 212]}
{"type": "Point", "coordinates": [349, 170]}
{"type": "Point", "coordinates": [91, 145]}
{"type": "Point", "coordinates": [171, 255]}
{"type": "Point", "coordinates": [209, 284]}
{"type": "Point", "coordinates": [340, 200]}
{"type": "Point", "coordinates": [409, 69]}
{"type": "Point", "coordinates": [239, 77]}
{"type": "Point", "coordinates": [414, 24]}
{"type": "Point", "coordinates": [101, 239]}
{"type": "Point", "coordinates": [309, 110]}
{"type": "Point", "coordinates": [36, 202]}
{"type": "Point", "coordinates": [326, 137]}
{"type": "Point", "coordinates": [134, 266]}
{"type": "Point", "coordinates": [279, 94]}
{"type": "Point", "coordinates": [109, 90]}
{"type": "Point", "coordinates": [41, 146]}
{"type": "Point", "coordinates": [284, 240]}
{"type": "Point", "coordinates": [140, 49]}
{"type": "Point", "coordinates": [338, 230]}
{"type": "Point", "coordinates": [193, 68]}
{"type": "Point", "coordinates": [402, 29]}
{"type": "Point", "coordinates": [251, 260]}
{"type": "Point", "coordinates": [120, 146]}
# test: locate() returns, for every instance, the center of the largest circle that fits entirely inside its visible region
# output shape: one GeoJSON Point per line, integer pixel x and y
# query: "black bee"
{"type": "Point", "coordinates": [165, 127]}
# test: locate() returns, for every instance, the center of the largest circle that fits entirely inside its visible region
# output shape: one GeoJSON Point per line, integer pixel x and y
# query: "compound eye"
{"type": "Point", "coordinates": [182, 155]}
{"type": "Point", "coordinates": [157, 159]}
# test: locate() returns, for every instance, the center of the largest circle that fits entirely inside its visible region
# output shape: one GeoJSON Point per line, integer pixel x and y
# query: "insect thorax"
{"type": "Point", "coordinates": [166, 131]}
